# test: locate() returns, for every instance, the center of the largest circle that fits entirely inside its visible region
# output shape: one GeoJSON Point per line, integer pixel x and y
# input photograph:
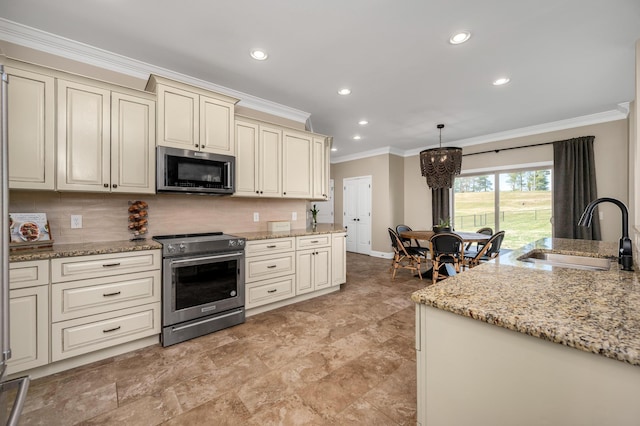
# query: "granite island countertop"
{"type": "Point", "coordinates": [594, 311]}
{"type": "Point", "coordinates": [83, 249]}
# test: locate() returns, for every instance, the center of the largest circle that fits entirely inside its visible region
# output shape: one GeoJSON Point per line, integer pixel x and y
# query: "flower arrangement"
{"type": "Point", "coordinates": [314, 213]}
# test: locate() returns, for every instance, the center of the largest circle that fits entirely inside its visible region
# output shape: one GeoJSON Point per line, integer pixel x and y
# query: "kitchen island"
{"type": "Point", "coordinates": [510, 342]}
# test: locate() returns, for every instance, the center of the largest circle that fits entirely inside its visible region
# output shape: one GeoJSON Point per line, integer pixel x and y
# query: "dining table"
{"type": "Point", "coordinates": [425, 235]}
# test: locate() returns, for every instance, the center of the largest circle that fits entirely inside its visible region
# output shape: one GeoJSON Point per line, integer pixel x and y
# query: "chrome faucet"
{"type": "Point", "coordinates": [625, 250]}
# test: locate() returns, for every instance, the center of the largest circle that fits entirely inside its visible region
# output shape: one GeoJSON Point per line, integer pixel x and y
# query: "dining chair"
{"type": "Point", "coordinates": [404, 257]}
{"type": "Point", "coordinates": [408, 242]}
{"type": "Point", "coordinates": [446, 248]}
{"type": "Point", "coordinates": [490, 250]}
{"type": "Point", "coordinates": [479, 245]}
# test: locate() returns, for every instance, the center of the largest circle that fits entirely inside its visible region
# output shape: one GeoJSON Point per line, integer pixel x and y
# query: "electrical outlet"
{"type": "Point", "coordinates": [294, 215]}
{"type": "Point", "coordinates": [256, 217]}
{"type": "Point", "coordinates": [76, 221]}
{"type": "Point", "coordinates": [601, 215]}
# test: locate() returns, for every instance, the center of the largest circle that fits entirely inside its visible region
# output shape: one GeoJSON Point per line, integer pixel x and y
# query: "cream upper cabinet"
{"type": "Point", "coordinates": [31, 129]}
{"type": "Point", "coordinates": [258, 159]}
{"type": "Point", "coordinates": [297, 160]}
{"type": "Point", "coordinates": [320, 169]}
{"type": "Point", "coordinates": [133, 141]}
{"type": "Point", "coordinates": [104, 146]}
{"type": "Point", "coordinates": [84, 116]}
{"type": "Point", "coordinates": [193, 118]}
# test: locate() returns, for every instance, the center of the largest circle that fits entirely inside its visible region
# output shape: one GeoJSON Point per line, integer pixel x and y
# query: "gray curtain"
{"type": "Point", "coordinates": [574, 186]}
{"type": "Point", "coordinates": [440, 204]}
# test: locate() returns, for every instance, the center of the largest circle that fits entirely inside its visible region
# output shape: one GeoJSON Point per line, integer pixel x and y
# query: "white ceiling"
{"type": "Point", "coordinates": [565, 58]}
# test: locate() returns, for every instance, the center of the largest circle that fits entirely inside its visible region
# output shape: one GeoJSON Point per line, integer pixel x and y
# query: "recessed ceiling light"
{"type": "Point", "coordinates": [363, 122]}
{"type": "Point", "coordinates": [334, 149]}
{"type": "Point", "coordinates": [259, 54]}
{"type": "Point", "coordinates": [501, 81]}
{"type": "Point", "coordinates": [460, 37]}
{"type": "Point", "coordinates": [344, 92]}
{"type": "Point", "coordinates": [357, 137]}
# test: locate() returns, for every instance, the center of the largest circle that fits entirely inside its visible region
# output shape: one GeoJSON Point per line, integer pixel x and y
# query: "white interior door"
{"type": "Point", "coordinates": [325, 208]}
{"type": "Point", "coordinates": [357, 213]}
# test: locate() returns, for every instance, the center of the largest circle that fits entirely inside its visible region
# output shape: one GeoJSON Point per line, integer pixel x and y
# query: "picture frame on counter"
{"type": "Point", "coordinates": [29, 231]}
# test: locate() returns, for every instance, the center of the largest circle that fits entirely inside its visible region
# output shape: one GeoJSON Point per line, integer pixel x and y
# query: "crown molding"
{"type": "Point", "coordinates": [368, 154]}
{"type": "Point", "coordinates": [620, 113]}
{"type": "Point", "coordinates": [60, 46]}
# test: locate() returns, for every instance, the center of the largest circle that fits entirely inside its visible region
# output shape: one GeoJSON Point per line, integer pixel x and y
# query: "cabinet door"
{"type": "Point", "coordinates": [304, 271]}
{"type": "Point", "coordinates": [270, 161]}
{"type": "Point", "coordinates": [320, 178]}
{"type": "Point", "coordinates": [322, 268]}
{"type": "Point", "coordinates": [133, 139]}
{"type": "Point", "coordinates": [246, 159]}
{"type": "Point", "coordinates": [83, 137]}
{"type": "Point", "coordinates": [29, 328]}
{"type": "Point", "coordinates": [338, 259]}
{"type": "Point", "coordinates": [178, 117]}
{"type": "Point", "coordinates": [296, 165]}
{"type": "Point", "coordinates": [30, 127]}
{"type": "Point", "coordinates": [216, 126]}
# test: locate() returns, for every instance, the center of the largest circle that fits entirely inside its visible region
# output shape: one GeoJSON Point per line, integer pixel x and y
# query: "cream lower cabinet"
{"type": "Point", "coordinates": [193, 118]}
{"type": "Point", "coordinates": [106, 139]}
{"type": "Point", "coordinates": [313, 260]}
{"type": "Point", "coordinates": [338, 258]}
{"type": "Point", "coordinates": [29, 315]}
{"type": "Point", "coordinates": [103, 300]}
{"type": "Point", "coordinates": [258, 159]}
{"type": "Point", "coordinates": [31, 129]}
{"type": "Point", "coordinates": [270, 271]}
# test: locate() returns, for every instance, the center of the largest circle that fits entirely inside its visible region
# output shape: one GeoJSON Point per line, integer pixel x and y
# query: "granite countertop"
{"type": "Point", "coordinates": [594, 311]}
{"type": "Point", "coordinates": [83, 249]}
{"type": "Point", "coordinates": [321, 228]}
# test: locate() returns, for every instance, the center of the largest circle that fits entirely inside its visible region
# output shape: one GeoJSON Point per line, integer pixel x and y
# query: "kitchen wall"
{"type": "Point", "coordinates": [105, 216]}
{"type": "Point", "coordinates": [634, 163]}
{"type": "Point", "coordinates": [611, 147]}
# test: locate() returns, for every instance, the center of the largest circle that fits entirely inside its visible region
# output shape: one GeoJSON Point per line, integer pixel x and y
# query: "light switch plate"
{"type": "Point", "coordinates": [256, 217]}
{"type": "Point", "coordinates": [76, 221]}
{"type": "Point", "coordinates": [294, 215]}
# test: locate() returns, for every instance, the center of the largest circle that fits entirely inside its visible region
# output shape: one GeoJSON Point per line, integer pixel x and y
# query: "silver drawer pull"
{"type": "Point", "coordinates": [108, 265]}
{"type": "Point", "coordinates": [272, 291]}
{"type": "Point", "coordinates": [115, 293]}
{"type": "Point", "coordinates": [111, 329]}
{"type": "Point", "coordinates": [272, 266]}
{"type": "Point", "coordinates": [273, 246]}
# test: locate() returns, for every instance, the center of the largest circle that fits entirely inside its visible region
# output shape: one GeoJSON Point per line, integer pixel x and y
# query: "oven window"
{"type": "Point", "coordinates": [206, 283]}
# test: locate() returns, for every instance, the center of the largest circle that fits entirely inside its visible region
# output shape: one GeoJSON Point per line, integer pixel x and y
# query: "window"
{"type": "Point", "coordinates": [516, 201]}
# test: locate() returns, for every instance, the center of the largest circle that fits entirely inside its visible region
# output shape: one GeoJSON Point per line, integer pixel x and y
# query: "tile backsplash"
{"type": "Point", "coordinates": [105, 216]}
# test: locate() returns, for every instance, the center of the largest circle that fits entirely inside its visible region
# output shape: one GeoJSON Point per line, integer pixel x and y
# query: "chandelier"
{"type": "Point", "coordinates": [440, 165]}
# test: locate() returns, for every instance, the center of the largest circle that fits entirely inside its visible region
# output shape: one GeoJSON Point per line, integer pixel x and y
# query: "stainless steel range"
{"type": "Point", "coordinates": [202, 284]}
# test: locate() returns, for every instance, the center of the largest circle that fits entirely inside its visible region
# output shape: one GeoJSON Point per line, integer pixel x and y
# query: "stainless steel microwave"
{"type": "Point", "coordinates": [194, 172]}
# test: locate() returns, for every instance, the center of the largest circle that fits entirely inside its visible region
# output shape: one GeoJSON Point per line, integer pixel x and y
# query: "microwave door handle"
{"type": "Point", "coordinates": [227, 170]}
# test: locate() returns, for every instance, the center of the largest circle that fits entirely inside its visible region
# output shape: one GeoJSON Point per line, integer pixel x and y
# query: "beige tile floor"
{"type": "Point", "coordinates": [347, 358]}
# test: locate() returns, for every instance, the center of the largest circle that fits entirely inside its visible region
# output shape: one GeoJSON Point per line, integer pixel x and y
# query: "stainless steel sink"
{"type": "Point", "coordinates": [567, 261]}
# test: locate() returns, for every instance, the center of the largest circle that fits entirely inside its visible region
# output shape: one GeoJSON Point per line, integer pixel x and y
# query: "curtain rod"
{"type": "Point", "coordinates": [506, 149]}
{"type": "Point", "coordinates": [518, 147]}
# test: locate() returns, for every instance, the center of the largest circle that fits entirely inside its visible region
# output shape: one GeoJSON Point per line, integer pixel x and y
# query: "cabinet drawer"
{"type": "Point", "coordinates": [89, 297]}
{"type": "Point", "coordinates": [103, 265]}
{"type": "Point", "coordinates": [275, 245]}
{"type": "Point", "coordinates": [277, 265]}
{"type": "Point", "coordinates": [88, 334]}
{"type": "Point", "coordinates": [313, 241]}
{"type": "Point", "coordinates": [268, 291]}
{"type": "Point", "coordinates": [28, 274]}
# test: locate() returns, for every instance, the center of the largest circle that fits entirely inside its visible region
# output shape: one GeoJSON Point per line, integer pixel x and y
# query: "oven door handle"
{"type": "Point", "coordinates": [200, 259]}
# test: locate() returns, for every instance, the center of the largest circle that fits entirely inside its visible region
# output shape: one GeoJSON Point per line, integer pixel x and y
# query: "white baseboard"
{"type": "Point", "coordinates": [381, 254]}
